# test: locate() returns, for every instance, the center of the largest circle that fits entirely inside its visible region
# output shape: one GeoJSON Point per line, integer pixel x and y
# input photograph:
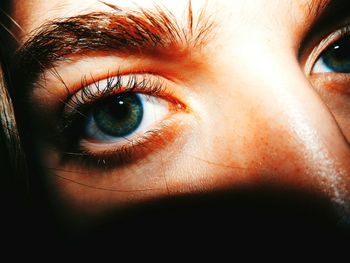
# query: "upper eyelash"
{"type": "Point", "coordinates": [114, 83]}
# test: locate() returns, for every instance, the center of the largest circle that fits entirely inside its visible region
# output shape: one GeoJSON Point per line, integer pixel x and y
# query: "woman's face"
{"type": "Point", "coordinates": [132, 101]}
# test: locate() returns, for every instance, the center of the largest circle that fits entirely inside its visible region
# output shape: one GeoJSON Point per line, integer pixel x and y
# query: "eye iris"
{"type": "Point", "coordinates": [337, 58]}
{"type": "Point", "coordinates": [120, 115]}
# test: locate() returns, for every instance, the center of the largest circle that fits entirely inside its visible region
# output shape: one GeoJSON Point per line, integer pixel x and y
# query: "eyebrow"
{"type": "Point", "coordinates": [153, 32]}
{"type": "Point", "coordinates": [317, 7]}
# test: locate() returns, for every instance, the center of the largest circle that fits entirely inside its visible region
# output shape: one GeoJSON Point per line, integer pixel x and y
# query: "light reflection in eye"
{"type": "Point", "coordinates": [119, 117]}
{"type": "Point", "coordinates": [335, 58]}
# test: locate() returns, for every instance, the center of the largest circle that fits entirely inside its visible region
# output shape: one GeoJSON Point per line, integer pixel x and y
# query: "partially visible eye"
{"type": "Point", "coordinates": [330, 75]}
{"type": "Point", "coordinates": [123, 116]}
{"type": "Point", "coordinates": [335, 58]}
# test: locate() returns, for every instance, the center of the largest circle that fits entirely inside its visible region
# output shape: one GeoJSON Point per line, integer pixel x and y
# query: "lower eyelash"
{"type": "Point", "coordinates": [131, 152]}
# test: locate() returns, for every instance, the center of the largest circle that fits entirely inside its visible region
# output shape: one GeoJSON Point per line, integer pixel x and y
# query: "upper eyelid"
{"type": "Point", "coordinates": [148, 84]}
{"type": "Point", "coordinates": [329, 17]}
{"type": "Point", "coordinates": [101, 88]}
{"type": "Point", "coordinates": [69, 77]}
{"type": "Point", "coordinates": [53, 90]}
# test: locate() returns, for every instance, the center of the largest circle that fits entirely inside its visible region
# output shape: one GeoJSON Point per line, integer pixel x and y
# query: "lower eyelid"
{"type": "Point", "coordinates": [336, 82]}
{"type": "Point", "coordinates": [136, 149]}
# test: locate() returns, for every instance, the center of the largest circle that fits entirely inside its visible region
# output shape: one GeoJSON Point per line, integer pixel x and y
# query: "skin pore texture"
{"type": "Point", "coordinates": [245, 106]}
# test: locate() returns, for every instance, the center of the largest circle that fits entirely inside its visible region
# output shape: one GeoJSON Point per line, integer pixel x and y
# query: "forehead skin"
{"type": "Point", "coordinates": [30, 14]}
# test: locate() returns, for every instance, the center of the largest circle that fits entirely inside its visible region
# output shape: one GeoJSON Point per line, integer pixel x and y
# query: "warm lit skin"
{"type": "Point", "coordinates": [252, 114]}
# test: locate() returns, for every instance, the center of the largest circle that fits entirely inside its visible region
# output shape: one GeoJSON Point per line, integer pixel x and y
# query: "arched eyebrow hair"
{"type": "Point", "coordinates": [153, 32]}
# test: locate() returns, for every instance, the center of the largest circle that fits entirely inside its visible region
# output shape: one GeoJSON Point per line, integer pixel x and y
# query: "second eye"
{"type": "Point", "coordinates": [335, 58]}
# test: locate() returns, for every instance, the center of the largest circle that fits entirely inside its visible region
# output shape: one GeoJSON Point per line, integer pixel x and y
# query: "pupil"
{"type": "Point", "coordinates": [120, 115]}
{"type": "Point", "coordinates": [337, 58]}
{"type": "Point", "coordinates": [118, 110]}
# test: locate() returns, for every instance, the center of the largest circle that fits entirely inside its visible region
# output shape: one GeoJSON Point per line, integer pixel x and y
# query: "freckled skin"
{"type": "Point", "coordinates": [253, 116]}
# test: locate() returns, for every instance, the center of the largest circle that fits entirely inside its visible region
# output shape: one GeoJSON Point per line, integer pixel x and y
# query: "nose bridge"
{"type": "Point", "coordinates": [295, 134]}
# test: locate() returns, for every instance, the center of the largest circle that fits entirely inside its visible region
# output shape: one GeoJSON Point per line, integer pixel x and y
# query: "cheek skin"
{"type": "Point", "coordinates": [98, 188]}
{"type": "Point", "coordinates": [289, 133]}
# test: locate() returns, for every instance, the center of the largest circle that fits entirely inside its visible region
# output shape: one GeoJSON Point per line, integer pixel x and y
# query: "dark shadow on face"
{"type": "Point", "coordinates": [260, 213]}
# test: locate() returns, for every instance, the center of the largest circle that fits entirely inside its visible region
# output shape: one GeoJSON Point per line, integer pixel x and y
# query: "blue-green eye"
{"type": "Point", "coordinates": [121, 116]}
{"type": "Point", "coordinates": [335, 58]}
{"type": "Point", "coordinates": [117, 116]}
